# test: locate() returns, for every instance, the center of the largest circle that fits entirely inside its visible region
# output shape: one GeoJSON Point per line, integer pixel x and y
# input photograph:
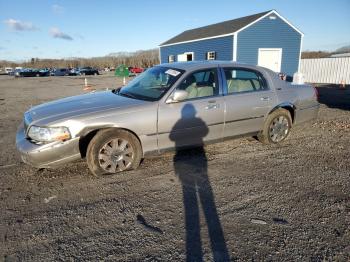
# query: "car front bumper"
{"type": "Point", "coordinates": [46, 155]}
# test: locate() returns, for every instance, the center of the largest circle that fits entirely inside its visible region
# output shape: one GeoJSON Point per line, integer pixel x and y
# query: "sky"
{"type": "Point", "coordinates": [82, 28]}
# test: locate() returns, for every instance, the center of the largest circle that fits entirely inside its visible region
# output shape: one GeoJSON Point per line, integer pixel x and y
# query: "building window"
{"type": "Point", "coordinates": [171, 59]}
{"type": "Point", "coordinates": [211, 55]}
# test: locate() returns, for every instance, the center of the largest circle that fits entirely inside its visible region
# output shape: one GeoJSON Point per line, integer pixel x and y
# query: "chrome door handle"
{"type": "Point", "coordinates": [265, 98]}
{"type": "Point", "coordinates": [211, 106]}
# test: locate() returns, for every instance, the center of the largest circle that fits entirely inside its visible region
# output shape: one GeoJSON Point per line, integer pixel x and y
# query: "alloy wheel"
{"type": "Point", "coordinates": [116, 155]}
{"type": "Point", "coordinates": [279, 129]}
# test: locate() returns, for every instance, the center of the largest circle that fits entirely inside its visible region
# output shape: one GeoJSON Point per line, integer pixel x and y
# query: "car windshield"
{"type": "Point", "coordinates": [152, 84]}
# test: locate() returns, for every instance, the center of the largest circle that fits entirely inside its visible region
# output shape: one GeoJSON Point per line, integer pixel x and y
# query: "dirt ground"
{"type": "Point", "coordinates": [253, 202]}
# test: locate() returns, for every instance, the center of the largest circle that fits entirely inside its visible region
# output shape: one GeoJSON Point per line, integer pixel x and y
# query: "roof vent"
{"type": "Point", "coordinates": [272, 17]}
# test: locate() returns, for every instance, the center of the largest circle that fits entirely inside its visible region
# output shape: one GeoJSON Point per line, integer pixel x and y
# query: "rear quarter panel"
{"type": "Point", "coordinates": [307, 105]}
{"type": "Point", "coordinates": [301, 97]}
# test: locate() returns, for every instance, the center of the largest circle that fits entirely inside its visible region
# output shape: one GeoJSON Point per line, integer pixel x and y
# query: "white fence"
{"type": "Point", "coordinates": [326, 70]}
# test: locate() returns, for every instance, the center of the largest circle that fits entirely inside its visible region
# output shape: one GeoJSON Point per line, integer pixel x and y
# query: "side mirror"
{"type": "Point", "coordinates": [177, 96]}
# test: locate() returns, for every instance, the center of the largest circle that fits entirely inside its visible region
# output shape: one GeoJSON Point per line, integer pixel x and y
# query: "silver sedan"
{"type": "Point", "coordinates": [170, 106]}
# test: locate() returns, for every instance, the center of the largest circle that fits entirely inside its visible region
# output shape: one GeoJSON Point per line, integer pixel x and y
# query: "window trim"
{"type": "Point", "coordinates": [208, 55]}
{"type": "Point", "coordinates": [173, 56]}
{"type": "Point", "coordinates": [224, 81]}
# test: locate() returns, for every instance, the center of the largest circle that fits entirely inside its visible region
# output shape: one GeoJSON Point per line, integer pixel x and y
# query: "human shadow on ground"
{"type": "Point", "coordinates": [191, 167]}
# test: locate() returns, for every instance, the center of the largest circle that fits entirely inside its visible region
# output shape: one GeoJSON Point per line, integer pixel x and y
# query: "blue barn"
{"type": "Point", "coordinates": [265, 39]}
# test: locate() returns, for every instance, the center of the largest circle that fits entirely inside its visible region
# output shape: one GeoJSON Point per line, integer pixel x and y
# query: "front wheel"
{"type": "Point", "coordinates": [112, 151]}
{"type": "Point", "coordinates": [276, 127]}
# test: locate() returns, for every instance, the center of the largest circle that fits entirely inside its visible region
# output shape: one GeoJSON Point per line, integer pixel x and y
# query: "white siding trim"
{"type": "Point", "coordinates": [257, 20]}
{"type": "Point", "coordinates": [285, 20]}
{"type": "Point", "coordinates": [301, 46]}
{"type": "Point", "coordinates": [235, 37]}
{"type": "Point", "coordinates": [269, 13]}
{"type": "Point", "coordinates": [160, 57]}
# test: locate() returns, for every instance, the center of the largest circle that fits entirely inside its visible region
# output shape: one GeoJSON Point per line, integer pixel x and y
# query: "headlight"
{"type": "Point", "coordinates": [49, 134]}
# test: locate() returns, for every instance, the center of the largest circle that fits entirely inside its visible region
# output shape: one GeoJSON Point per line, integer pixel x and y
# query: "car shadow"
{"type": "Point", "coordinates": [191, 167]}
{"type": "Point", "coordinates": [334, 96]}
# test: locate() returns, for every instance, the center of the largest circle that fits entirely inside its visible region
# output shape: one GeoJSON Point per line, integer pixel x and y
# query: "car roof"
{"type": "Point", "coordinates": [192, 65]}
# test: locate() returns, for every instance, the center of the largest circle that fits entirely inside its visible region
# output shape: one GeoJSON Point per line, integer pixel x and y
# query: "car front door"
{"type": "Point", "coordinates": [248, 100]}
{"type": "Point", "coordinates": [196, 119]}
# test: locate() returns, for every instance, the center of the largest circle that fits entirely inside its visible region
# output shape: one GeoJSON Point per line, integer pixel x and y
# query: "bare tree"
{"type": "Point", "coordinates": [142, 58]}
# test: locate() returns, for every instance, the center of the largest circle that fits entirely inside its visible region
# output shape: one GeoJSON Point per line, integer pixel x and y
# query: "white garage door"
{"type": "Point", "coordinates": [270, 58]}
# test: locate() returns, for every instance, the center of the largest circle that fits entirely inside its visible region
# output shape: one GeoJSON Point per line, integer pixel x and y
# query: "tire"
{"type": "Point", "coordinates": [276, 127]}
{"type": "Point", "coordinates": [112, 151]}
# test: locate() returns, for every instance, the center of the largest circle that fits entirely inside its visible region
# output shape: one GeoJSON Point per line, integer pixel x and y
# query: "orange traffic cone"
{"type": "Point", "coordinates": [87, 87]}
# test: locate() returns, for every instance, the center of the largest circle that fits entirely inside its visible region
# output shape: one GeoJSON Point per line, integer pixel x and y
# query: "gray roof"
{"type": "Point", "coordinates": [222, 28]}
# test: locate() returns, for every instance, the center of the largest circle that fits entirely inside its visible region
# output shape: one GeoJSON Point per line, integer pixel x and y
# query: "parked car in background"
{"type": "Point", "coordinates": [30, 72]}
{"type": "Point", "coordinates": [169, 106]}
{"type": "Point", "coordinates": [17, 71]}
{"type": "Point", "coordinates": [61, 72]}
{"type": "Point", "coordinates": [44, 72]}
{"type": "Point", "coordinates": [88, 71]}
{"type": "Point", "coordinates": [135, 70]}
{"type": "Point", "coordinates": [9, 70]}
{"type": "Point", "coordinates": [2, 71]}
{"type": "Point", "coordinates": [74, 72]}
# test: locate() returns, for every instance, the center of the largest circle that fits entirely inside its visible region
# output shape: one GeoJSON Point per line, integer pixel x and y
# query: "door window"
{"type": "Point", "coordinates": [241, 80]}
{"type": "Point", "coordinates": [201, 84]}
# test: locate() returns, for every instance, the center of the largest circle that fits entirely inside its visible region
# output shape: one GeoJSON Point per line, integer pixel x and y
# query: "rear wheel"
{"type": "Point", "coordinates": [276, 127]}
{"type": "Point", "coordinates": [112, 151]}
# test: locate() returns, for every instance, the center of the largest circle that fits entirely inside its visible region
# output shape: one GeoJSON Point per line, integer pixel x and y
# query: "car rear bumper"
{"type": "Point", "coordinates": [46, 155]}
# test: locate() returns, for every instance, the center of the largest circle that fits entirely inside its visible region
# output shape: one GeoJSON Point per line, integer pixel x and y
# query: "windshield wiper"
{"type": "Point", "coordinates": [128, 95]}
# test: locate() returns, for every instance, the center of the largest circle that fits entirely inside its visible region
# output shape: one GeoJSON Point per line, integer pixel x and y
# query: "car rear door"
{"type": "Point", "coordinates": [197, 119]}
{"type": "Point", "coordinates": [248, 99]}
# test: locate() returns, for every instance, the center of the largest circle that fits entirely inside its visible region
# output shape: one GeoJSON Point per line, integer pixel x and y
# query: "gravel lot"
{"type": "Point", "coordinates": [254, 202]}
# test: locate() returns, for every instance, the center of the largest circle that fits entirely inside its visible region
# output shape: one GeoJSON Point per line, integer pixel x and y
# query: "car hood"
{"type": "Point", "coordinates": [79, 105]}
